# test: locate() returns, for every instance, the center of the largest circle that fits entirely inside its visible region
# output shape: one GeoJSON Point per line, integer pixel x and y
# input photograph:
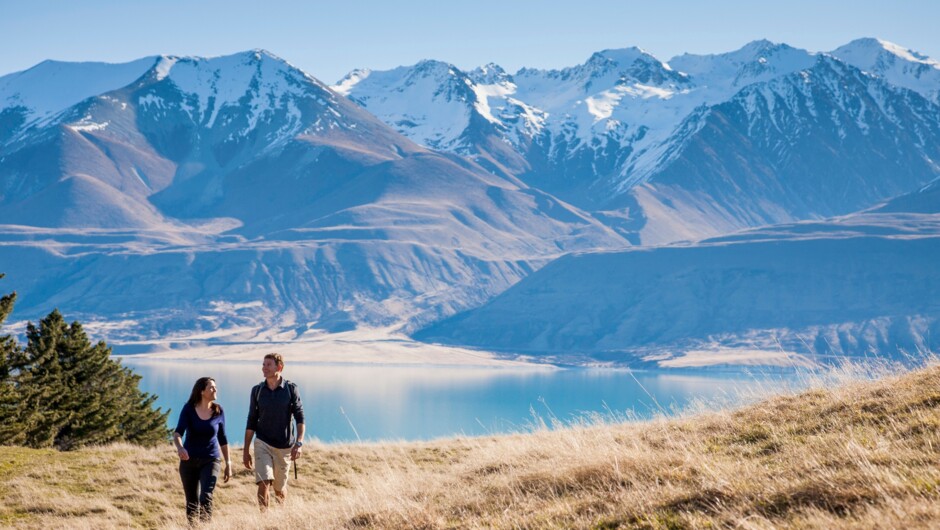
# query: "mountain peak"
{"type": "Point", "coordinates": [756, 61]}
{"type": "Point", "coordinates": [869, 50]}
{"type": "Point", "coordinates": [894, 63]}
{"type": "Point", "coordinates": [753, 51]}
{"type": "Point", "coordinates": [627, 64]}
{"type": "Point", "coordinates": [622, 60]}
{"type": "Point", "coordinates": [762, 49]}
{"type": "Point", "coordinates": [489, 74]}
{"type": "Point", "coordinates": [623, 56]}
{"type": "Point", "coordinates": [259, 54]}
{"type": "Point", "coordinates": [249, 57]}
{"type": "Point", "coordinates": [237, 68]}
{"type": "Point", "coordinates": [433, 67]}
{"type": "Point", "coordinates": [345, 85]}
{"type": "Point", "coordinates": [761, 45]}
{"type": "Point", "coordinates": [255, 80]}
{"type": "Point", "coordinates": [40, 89]}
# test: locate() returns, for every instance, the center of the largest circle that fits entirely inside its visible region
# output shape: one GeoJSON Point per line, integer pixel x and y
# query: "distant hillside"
{"type": "Point", "coordinates": [787, 295]}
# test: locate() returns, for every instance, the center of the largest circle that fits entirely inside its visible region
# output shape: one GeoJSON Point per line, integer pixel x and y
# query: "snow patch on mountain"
{"type": "Point", "coordinates": [164, 64]}
{"type": "Point", "coordinates": [40, 89]}
{"type": "Point", "coordinates": [896, 64]}
{"type": "Point", "coordinates": [264, 79]}
{"type": "Point", "coordinates": [622, 101]}
{"type": "Point", "coordinates": [87, 126]}
{"type": "Point", "coordinates": [719, 76]}
{"type": "Point", "coordinates": [429, 102]}
{"type": "Point", "coordinates": [345, 85]}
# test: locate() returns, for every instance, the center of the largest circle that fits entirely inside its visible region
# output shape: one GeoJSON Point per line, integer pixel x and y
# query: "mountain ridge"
{"type": "Point", "coordinates": [275, 197]}
{"type": "Point", "coordinates": [595, 141]}
{"type": "Point", "coordinates": [265, 203]}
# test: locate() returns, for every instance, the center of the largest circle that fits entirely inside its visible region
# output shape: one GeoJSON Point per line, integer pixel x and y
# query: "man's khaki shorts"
{"type": "Point", "coordinates": [271, 463]}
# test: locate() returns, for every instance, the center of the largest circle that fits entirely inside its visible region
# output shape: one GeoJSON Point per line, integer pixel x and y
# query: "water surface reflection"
{"type": "Point", "coordinates": [416, 403]}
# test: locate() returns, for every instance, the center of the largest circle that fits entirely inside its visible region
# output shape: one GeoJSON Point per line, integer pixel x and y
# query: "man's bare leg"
{"type": "Point", "coordinates": [279, 496]}
{"type": "Point", "coordinates": [263, 493]}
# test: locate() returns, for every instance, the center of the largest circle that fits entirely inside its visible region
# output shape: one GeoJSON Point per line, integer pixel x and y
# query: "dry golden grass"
{"type": "Point", "coordinates": [863, 455]}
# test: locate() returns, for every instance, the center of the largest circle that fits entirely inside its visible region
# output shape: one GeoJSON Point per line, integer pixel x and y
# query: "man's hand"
{"type": "Point", "coordinates": [296, 452]}
{"type": "Point", "coordinates": [246, 458]}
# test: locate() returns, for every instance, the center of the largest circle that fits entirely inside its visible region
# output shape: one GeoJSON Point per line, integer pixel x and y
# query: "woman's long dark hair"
{"type": "Point", "coordinates": [196, 395]}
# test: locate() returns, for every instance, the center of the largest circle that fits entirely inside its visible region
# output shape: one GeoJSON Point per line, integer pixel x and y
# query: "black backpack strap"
{"type": "Point", "coordinates": [291, 388]}
{"type": "Point", "coordinates": [290, 393]}
{"type": "Point", "coordinates": [257, 390]}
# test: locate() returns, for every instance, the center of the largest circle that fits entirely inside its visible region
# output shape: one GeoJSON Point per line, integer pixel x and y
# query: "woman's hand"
{"type": "Point", "coordinates": [183, 453]}
{"type": "Point", "coordinates": [228, 471]}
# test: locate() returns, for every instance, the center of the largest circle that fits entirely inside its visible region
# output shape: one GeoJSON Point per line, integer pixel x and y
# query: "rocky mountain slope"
{"type": "Point", "coordinates": [239, 193]}
{"type": "Point", "coordinates": [688, 148]}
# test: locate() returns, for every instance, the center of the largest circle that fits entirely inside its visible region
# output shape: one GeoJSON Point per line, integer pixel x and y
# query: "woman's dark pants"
{"type": "Point", "coordinates": [199, 477]}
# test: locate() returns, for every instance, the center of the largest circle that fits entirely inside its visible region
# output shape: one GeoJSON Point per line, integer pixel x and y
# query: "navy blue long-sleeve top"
{"type": "Point", "coordinates": [203, 438]}
{"type": "Point", "coordinates": [270, 413]}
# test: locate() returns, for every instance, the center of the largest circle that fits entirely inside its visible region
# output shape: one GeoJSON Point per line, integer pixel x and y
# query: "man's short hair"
{"type": "Point", "coordinates": [277, 358]}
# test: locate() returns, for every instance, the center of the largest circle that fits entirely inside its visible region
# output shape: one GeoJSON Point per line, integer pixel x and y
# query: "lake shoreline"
{"type": "Point", "coordinates": [387, 347]}
{"type": "Point", "coordinates": [354, 348]}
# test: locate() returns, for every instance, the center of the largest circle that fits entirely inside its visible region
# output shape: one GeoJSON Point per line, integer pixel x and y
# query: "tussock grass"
{"type": "Point", "coordinates": [865, 454]}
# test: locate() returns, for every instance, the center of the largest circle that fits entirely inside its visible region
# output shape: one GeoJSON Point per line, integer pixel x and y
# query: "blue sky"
{"type": "Point", "coordinates": [327, 39]}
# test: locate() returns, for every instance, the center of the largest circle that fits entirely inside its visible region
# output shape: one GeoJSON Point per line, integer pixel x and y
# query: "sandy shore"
{"type": "Point", "coordinates": [366, 347]}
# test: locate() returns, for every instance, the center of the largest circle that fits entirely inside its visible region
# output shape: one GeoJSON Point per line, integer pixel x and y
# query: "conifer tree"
{"type": "Point", "coordinates": [63, 391]}
{"type": "Point", "coordinates": [42, 384]}
{"type": "Point", "coordinates": [88, 397]}
{"type": "Point", "coordinates": [10, 429]}
{"type": "Point", "coordinates": [7, 344]}
{"type": "Point", "coordinates": [140, 424]}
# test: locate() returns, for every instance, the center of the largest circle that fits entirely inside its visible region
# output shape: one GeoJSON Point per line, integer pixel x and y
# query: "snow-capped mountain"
{"type": "Point", "coordinates": [613, 135]}
{"type": "Point", "coordinates": [722, 75]}
{"type": "Point", "coordinates": [820, 142]}
{"type": "Point", "coordinates": [241, 193]}
{"type": "Point", "coordinates": [896, 64]}
{"type": "Point", "coordinates": [36, 95]}
{"type": "Point", "coordinates": [238, 197]}
{"type": "Point", "coordinates": [578, 114]}
{"type": "Point", "coordinates": [437, 105]}
{"type": "Point", "coordinates": [445, 93]}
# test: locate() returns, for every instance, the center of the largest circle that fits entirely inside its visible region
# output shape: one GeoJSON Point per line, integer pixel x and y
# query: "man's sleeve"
{"type": "Point", "coordinates": [252, 411]}
{"type": "Point", "coordinates": [297, 407]}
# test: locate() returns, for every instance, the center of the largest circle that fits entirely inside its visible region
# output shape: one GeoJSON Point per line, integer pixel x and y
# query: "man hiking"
{"type": "Point", "coordinates": [273, 402]}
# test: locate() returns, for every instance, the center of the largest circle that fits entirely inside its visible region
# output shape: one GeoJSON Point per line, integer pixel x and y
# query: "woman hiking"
{"type": "Point", "coordinates": [205, 450]}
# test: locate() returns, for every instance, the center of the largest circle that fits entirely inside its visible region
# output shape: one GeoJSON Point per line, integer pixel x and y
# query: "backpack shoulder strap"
{"type": "Point", "coordinates": [291, 389]}
{"type": "Point", "coordinates": [257, 391]}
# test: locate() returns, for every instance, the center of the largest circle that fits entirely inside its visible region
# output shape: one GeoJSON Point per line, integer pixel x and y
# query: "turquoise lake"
{"type": "Point", "coordinates": [378, 402]}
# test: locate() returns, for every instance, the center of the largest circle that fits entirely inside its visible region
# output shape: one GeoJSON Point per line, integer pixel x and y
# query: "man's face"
{"type": "Point", "coordinates": [269, 368]}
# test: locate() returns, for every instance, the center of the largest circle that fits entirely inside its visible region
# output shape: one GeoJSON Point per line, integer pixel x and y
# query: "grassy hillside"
{"type": "Point", "coordinates": [865, 455]}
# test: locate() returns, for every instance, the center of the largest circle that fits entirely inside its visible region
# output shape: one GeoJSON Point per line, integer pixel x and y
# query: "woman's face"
{"type": "Point", "coordinates": [210, 392]}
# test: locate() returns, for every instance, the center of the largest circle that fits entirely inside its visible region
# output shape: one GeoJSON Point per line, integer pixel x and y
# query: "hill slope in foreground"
{"type": "Point", "coordinates": [865, 454]}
